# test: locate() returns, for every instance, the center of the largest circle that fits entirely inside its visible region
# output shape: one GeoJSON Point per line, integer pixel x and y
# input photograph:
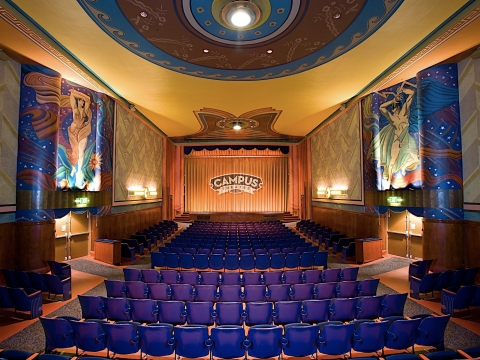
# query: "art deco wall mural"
{"type": "Point", "coordinates": [65, 143]}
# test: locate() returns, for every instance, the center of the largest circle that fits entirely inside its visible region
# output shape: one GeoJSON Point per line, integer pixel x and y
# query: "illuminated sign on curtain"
{"type": "Point", "coordinates": [236, 183]}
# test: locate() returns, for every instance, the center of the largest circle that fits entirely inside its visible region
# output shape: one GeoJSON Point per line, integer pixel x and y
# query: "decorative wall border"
{"type": "Point", "coordinates": [34, 37]}
{"type": "Point", "coordinates": [472, 16]}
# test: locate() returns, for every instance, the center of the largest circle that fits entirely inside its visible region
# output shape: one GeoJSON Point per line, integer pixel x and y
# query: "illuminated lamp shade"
{"type": "Point", "coordinates": [241, 14]}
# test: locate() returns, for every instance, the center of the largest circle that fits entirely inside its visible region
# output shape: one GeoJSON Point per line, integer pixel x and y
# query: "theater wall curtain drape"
{"type": "Point", "coordinates": [232, 174]}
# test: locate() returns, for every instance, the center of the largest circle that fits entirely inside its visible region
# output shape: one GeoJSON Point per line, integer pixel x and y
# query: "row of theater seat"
{"type": "Point", "coordinates": [261, 341]}
{"type": "Point", "coordinates": [467, 353]}
{"type": "Point", "coordinates": [423, 283]}
{"type": "Point", "coordinates": [238, 278]}
{"type": "Point", "coordinates": [240, 247]}
{"type": "Point", "coordinates": [25, 300]}
{"type": "Point", "coordinates": [247, 293]}
{"type": "Point", "coordinates": [234, 262]}
{"type": "Point", "coordinates": [460, 298]}
{"type": "Point", "coordinates": [51, 284]}
{"type": "Point", "coordinates": [236, 312]}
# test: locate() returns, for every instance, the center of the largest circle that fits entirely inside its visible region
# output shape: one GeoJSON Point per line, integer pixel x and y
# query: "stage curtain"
{"type": "Point", "coordinates": [270, 165]}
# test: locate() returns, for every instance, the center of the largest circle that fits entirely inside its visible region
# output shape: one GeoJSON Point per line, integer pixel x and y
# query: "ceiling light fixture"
{"type": "Point", "coordinates": [241, 14]}
{"type": "Point", "coordinates": [269, 51]}
{"type": "Point", "coordinates": [237, 126]}
{"type": "Point", "coordinates": [206, 51]}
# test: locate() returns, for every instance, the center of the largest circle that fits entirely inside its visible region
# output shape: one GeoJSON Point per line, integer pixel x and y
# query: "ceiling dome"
{"type": "Point", "coordinates": [195, 37]}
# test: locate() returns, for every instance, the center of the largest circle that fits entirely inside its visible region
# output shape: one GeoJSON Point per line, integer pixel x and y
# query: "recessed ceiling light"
{"type": "Point", "coordinates": [240, 14]}
{"type": "Point", "coordinates": [206, 50]}
{"type": "Point", "coordinates": [336, 16]}
{"type": "Point", "coordinates": [143, 14]}
{"type": "Point", "coordinates": [237, 126]}
{"type": "Point", "coordinates": [269, 51]}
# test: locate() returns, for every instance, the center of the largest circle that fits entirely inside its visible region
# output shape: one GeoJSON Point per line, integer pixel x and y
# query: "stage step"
{"type": "Point", "coordinates": [185, 218]}
{"type": "Point", "coordinates": [287, 218]}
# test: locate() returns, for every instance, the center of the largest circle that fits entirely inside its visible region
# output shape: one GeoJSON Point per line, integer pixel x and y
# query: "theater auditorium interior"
{"type": "Point", "coordinates": [239, 179]}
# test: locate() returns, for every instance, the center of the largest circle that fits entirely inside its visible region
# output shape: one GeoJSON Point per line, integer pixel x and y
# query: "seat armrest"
{"type": "Point", "coordinates": [464, 354]}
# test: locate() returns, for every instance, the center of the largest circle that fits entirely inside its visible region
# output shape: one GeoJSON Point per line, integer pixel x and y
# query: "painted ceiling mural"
{"type": "Point", "coordinates": [191, 37]}
{"type": "Point", "coordinates": [219, 125]}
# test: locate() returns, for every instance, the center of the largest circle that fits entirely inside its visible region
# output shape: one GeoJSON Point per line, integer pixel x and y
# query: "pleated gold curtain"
{"type": "Point", "coordinates": [270, 165]}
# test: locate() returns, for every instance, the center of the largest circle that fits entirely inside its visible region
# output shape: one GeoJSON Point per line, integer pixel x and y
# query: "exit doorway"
{"type": "Point", "coordinates": [405, 235]}
{"type": "Point", "coordinates": [72, 238]}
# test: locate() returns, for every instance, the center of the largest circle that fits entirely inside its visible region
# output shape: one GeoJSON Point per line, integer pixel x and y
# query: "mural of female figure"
{"type": "Point", "coordinates": [393, 147]}
{"type": "Point", "coordinates": [78, 132]}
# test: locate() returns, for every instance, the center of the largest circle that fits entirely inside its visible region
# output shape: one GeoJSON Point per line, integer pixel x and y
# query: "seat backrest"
{"type": "Point", "coordinates": [136, 289]}
{"type": "Point", "coordinates": [116, 309]}
{"type": "Point", "coordinates": [369, 307]}
{"type": "Point", "coordinates": [200, 312]}
{"type": "Point", "coordinates": [192, 341]}
{"type": "Point", "coordinates": [431, 331]}
{"type": "Point", "coordinates": [286, 312]}
{"type": "Point", "coordinates": [58, 333]}
{"type": "Point", "coordinates": [315, 311]}
{"type": "Point", "coordinates": [89, 335]}
{"type": "Point", "coordinates": [349, 274]}
{"type": "Point", "coordinates": [229, 313]}
{"type": "Point", "coordinates": [302, 291]}
{"type": "Point", "coordinates": [169, 276]}
{"type": "Point", "coordinates": [300, 340]}
{"type": "Point", "coordinates": [330, 275]}
{"type": "Point", "coordinates": [252, 278]}
{"type": "Point", "coordinates": [292, 277]}
{"type": "Point", "coordinates": [158, 291]}
{"type": "Point", "coordinates": [325, 290]}
{"type": "Point", "coordinates": [92, 307]}
{"type": "Point", "coordinates": [402, 333]}
{"type": "Point", "coordinates": [369, 336]}
{"type": "Point", "coordinates": [121, 338]}
{"type": "Point", "coordinates": [278, 292]}
{"type": "Point", "coordinates": [343, 309]}
{"type": "Point", "coordinates": [172, 312]}
{"type": "Point", "coordinates": [156, 340]}
{"type": "Point", "coordinates": [182, 292]}
{"type": "Point", "coordinates": [188, 277]}
{"type": "Point", "coordinates": [227, 341]}
{"type": "Point", "coordinates": [230, 278]}
{"type": "Point", "coordinates": [115, 288]}
{"type": "Point", "coordinates": [264, 341]}
{"type": "Point", "coordinates": [229, 293]}
{"type": "Point", "coordinates": [272, 277]}
{"type": "Point", "coordinates": [132, 274]}
{"type": "Point", "coordinates": [335, 339]}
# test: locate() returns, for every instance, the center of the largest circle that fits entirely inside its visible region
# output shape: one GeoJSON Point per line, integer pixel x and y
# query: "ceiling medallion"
{"type": "Point", "coordinates": [237, 123]}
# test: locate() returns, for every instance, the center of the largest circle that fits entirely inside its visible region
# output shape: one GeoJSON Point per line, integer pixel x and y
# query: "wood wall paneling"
{"type": "Point", "coordinates": [34, 244]}
{"type": "Point", "coordinates": [7, 245]}
{"type": "Point", "coordinates": [472, 244]}
{"type": "Point", "coordinates": [122, 225]}
{"type": "Point", "coordinates": [353, 224]}
{"type": "Point", "coordinates": [444, 240]}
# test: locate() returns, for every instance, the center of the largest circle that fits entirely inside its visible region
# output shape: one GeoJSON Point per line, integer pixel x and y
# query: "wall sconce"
{"type": "Point", "coordinates": [330, 193]}
{"type": "Point", "coordinates": [144, 193]}
{"type": "Point", "coordinates": [137, 193]}
{"type": "Point", "coordinates": [151, 193]}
